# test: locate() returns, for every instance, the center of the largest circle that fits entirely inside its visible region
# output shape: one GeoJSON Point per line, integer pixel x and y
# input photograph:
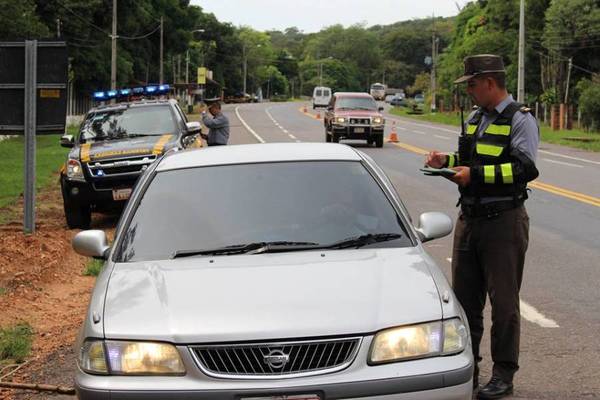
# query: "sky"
{"type": "Point", "coordinates": [313, 15]}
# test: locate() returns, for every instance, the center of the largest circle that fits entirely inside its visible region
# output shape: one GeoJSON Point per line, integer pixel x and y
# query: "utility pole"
{"type": "Point", "coordinates": [113, 63]}
{"type": "Point", "coordinates": [521, 75]}
{"type": "Point", "coordinates": [434, 41]}
{"type": "Point", "coordinates": [58, 28]}
{"type": "Point", "coordinates": [245, 66]}
{"type": "Point", "coordinates": [178, 67]}
{"type": "Point", "coordinates": [161, 51]}
{"type": "Point", "coordinates": [187, 66]}
{"type": "Point", "coordinates": [568, 80]}
{"type": "Point", "coordinates": [321, 74]}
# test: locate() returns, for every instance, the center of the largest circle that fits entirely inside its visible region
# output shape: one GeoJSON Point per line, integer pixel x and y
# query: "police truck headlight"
{"type": "Point", "coordinates": [419, 341]}
{"type": "Point", "coordinates": [377, 121]}
{"type": "Point", "coordinates": [74, 170]}
{"type": "Point", "coordinates": [340, 120]}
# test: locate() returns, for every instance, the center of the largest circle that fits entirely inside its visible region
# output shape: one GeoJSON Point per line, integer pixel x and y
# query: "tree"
{"type": "Point", "coordinates": [19, 21]}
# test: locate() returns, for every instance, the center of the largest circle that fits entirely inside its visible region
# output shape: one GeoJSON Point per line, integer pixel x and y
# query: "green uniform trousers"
{"type": "Point", "coordinates": [487, 258]}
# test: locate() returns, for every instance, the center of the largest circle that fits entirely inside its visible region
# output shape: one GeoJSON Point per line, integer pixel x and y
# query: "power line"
{"type": "Point", "coordinates": [83, 19]}
{"type": "Point", "coordinates": [140, 37]}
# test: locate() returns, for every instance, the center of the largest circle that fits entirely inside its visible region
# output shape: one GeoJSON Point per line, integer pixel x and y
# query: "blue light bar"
{"type": "Point", "coordinates": [138, 90]}
{"type": "Point", "coordinates": [111, 94]}
{"type": "Point", "coordinates": [150, 89]}
{"type": "Point", "coordinates": [99, 95]}
{"type": "Point", "coordinates": [164, 88]}
{"type": "Point", "coordinates": [125, 92]}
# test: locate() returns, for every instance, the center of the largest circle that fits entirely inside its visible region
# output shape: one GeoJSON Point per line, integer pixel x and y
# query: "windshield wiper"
{"type": "Point", "coordinates": [259, 247]}
{"type": "Point", "coordinates": [363, 240]}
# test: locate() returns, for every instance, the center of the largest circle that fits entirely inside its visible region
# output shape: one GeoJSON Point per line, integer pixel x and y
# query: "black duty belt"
{"type": "Point", "coordinates": [489, 210]}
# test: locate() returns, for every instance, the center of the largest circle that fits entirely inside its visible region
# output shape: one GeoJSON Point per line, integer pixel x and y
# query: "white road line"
{"type": "Point", "coordinates": [569, 157]}
{"type": "Point", "coordinates": [285, 130]}
{"type": "Point", "coordinates": [442, 137]}
{"type": "Point", "coordinates": [401, 128]}
{"type": "Point", "coordinates": [425, 125]}
{"type": "Point", "coordinates": [562, 163]}
{"type": "Point", "coordinates": [419, 132]}
{"type": "Point", "coordinates": [529, 313]}
{"type": "Point", "coordinates": [237, 113]}
{"type": "Point", "coordinates": [292, 136]}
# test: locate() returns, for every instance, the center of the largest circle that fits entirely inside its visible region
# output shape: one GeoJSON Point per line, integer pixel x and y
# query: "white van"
{"type": "Point", "coordinates": [321, 97]}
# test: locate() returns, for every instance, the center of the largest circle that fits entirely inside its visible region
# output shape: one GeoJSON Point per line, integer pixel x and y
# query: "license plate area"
{"type": "Point", "coordinates": [285, 397]}
{"type": "Point", "coordinates": [359, 130]}
{"type": "Point", "coordinates": [121, 194]}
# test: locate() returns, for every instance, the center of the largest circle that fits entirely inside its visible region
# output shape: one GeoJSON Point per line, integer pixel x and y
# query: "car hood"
{"type": "Point", "coordinates": [357, 113]}
{"type": "Point", "coordinates": [127, 147]}
{"type": "Point", "coordinates": [270, 296]}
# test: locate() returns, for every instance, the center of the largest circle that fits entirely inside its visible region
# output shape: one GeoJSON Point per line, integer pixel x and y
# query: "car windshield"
{"type": "Point", "coordinates": [128, 121]}
{"type": "Point", "coordinates": [362, 103]}
{"type": "Point", "coordinates": [239, 205]}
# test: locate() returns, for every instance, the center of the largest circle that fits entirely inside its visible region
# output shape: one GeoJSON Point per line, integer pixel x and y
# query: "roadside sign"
{"type": "Point", "coordinates": [202, 75]}
{"type": "Point", "coordinates": [50, 92]}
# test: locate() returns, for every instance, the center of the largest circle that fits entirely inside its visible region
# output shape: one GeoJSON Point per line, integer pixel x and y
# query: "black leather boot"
{"type": "Point", "coordinates": [495, 389]}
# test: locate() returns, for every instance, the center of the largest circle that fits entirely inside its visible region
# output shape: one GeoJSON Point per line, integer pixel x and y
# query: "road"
{"type": "Point", "coordinates": [560, 295]}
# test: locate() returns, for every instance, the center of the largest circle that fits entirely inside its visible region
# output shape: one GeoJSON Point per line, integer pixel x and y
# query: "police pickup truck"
{"type": "Point", "coordinates": [115, 144]}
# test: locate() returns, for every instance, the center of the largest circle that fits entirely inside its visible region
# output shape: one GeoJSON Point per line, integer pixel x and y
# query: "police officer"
{"type": "Point", "coordinates": [217, 124]}
{"type": "Point", "coordinates": [494, 163]}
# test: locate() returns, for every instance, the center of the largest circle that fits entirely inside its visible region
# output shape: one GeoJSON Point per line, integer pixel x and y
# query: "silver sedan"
{"type": "Point", "coordinates": [271, 271]}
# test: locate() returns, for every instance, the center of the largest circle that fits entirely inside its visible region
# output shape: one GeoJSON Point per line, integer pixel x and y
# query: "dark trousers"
{"type": "Point", "coordinates": [487, 258]}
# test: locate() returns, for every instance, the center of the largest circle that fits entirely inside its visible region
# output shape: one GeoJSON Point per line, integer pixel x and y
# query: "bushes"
{"type": "Point", "coordinates": [589, 105]}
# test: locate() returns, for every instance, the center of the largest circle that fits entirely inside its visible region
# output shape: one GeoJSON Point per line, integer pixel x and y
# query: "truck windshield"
{"type": "Point", "coordinates": [361, 103]}
{"type": "Point", "coordinates": [132, 121]}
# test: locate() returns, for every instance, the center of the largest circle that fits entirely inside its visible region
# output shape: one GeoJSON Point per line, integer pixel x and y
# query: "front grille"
{"type": "Point", "coordinates": [110, 184]}
{"type": "Point", "coordinates": [360, 121]}
{"type": "Point", "coordinates": [132, 165]}
{"type": "Point", "coordinates": [276, 360]}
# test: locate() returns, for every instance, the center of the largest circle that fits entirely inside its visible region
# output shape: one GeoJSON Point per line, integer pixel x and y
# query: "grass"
{"type": "Point", "coordinates": [2, 291]}
{"type": "Point", "coordinates": [15, 343]}
{"type": "Point", "coordinates": [581, 139]}
{"type": "Point", "coordinates": [93, 267]}
{"type": "Point", "coordinates": [49, 157]}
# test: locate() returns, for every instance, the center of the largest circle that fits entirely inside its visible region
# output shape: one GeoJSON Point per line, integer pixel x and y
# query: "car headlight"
{"type": "Point", "coordinates": [74, 170]}
{"type": "Point", "coordinates": [419, 341]}
{"type": "Point", "coordinates": [377, 121]}
{"type": "Point", "coordinates": [130, 358]}
{"type": "Point", "coordinates": [340, 120]}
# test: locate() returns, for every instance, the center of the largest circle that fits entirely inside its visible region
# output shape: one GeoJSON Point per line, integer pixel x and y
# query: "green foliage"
{"type": "Point", "coordinates": [2, 291]}
{"type": "Point", "coordinates": [19, 21]}
{"type": "Point", "coordinates": [15, 342]}
{"type": "Point", "coordinates": [49, 157]}
{"type": "Point", "coordinates": [589, 105]}
{"type": "Point", "coordinates": [93, 267]}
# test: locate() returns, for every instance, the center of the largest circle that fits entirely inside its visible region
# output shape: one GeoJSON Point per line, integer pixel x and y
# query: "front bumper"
{"type": "Point", "coordinates": [357, 132]}
{"type": "Point", "coordinates": [434, 378]}
{"type": "Point", "coordinates": [93, 192]}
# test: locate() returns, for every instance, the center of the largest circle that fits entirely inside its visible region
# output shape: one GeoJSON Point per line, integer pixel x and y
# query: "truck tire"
{"type": "Point", "coordinates": [327, 136]}
{"type": "Point", "coordinates": [379, 141]}
{"type": "Point", "coordinates": [78, 216]}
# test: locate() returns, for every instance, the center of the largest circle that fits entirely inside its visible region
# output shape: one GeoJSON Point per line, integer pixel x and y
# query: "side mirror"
{"type": "Point", "coordinates": [329, 108]}
{"type": "Point", "coordinates": [67, 141]}
{"type": "Point", "coordinates": [193, 127]}
{"type": "Point", "coordinates": [380, 108]}
{"type": "Point", "coordinates": [91, 243]}
{"type": "Point", "coordinates": [433, 225]}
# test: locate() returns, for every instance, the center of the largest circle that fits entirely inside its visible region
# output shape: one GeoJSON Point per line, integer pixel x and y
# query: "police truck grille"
{"type": "Point", "coordinates": [276, 360]}
{"type": "Point", "coordinates": [122, 166]}
{"type": "Point", "coordinates": [360, 121]}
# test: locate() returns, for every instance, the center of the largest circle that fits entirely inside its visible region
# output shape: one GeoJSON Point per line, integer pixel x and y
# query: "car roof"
{"type": "Point", "coordinates": [135, 103]}
{"type": "Point", "coordinates": [352, 94]}
{"type": "Point", "coordinates": [257, 153]}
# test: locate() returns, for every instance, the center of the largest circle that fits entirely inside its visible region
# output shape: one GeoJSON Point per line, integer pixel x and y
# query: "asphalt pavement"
{"type": "Point", "coordinates": [561, 288]}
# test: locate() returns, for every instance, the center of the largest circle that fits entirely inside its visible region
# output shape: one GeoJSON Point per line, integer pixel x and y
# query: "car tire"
{"type": "Point", "coordinates": [77, 214]}
{"type": "Point", "coordinates": [379, 141]}
{"type": "Point", "coordinates": [327, 136]}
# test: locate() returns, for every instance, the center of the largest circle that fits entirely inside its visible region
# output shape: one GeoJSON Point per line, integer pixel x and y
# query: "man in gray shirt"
{"type": "Point", "coordinates": [217, 124]}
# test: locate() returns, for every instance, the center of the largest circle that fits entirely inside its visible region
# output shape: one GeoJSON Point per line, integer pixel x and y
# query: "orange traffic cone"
{"type": "Point", "coordinates": [393, 134]}
{"type": "Point", "coordinates": [318, 114]}
{"type": "Point", "coordinates": [305, 110]}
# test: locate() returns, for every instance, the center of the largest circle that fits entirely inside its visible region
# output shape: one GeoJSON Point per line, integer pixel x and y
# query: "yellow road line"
{"type": "Point", "coordinates": [584, 198]}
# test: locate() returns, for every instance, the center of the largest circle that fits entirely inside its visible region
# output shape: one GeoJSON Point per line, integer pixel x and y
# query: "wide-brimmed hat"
{"type": "Point", "coordinates": [481, 64]}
